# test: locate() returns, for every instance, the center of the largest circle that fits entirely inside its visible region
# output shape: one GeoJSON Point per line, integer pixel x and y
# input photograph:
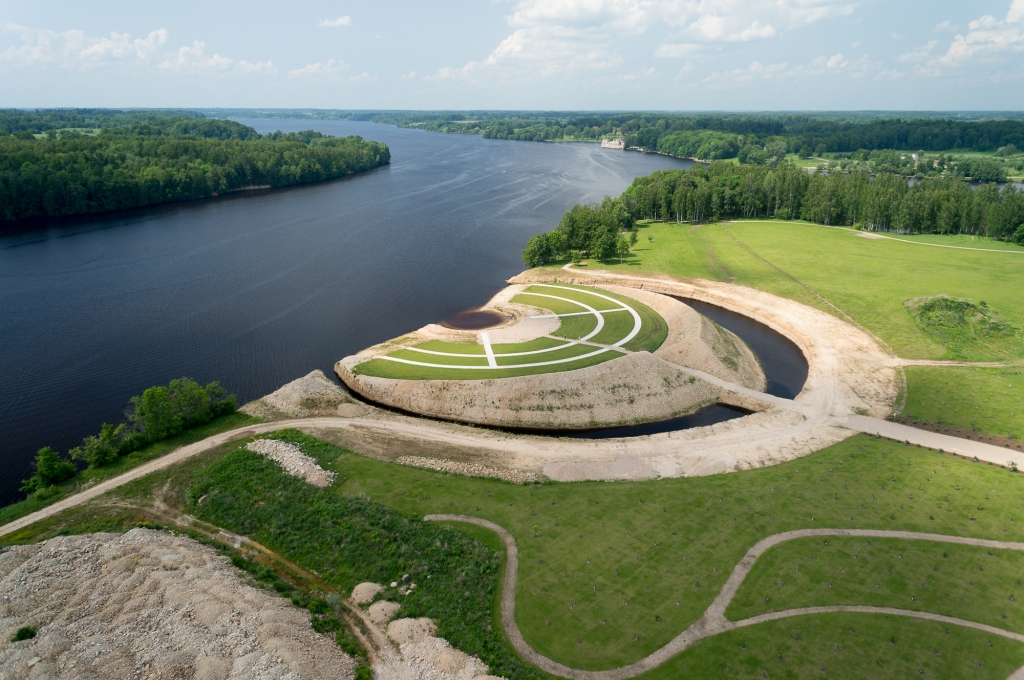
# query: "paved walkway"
{"type": "Point", "coordinates": [935, 440]}
{"type": "Point", "coordinates": [713, 620]}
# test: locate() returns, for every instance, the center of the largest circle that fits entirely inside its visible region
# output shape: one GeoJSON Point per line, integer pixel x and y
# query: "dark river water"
{"type": "Point", "coordinates": [256, 290]}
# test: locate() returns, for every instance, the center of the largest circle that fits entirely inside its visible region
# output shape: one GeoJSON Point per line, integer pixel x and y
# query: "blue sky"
{"type": "Point", "coordinates": [525, 54]}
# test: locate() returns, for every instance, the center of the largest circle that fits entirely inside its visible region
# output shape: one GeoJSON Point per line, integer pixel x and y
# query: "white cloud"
{"type": "Point", "coordinates": [988, 37]}
{"type": "Point", "coordinates": [836, 61]}
{"type": "Point", "coordinates": [563, 37]}
{"type": "Point", "coordinates": [944, 26]}
{"type": "Point", "coordinates": [195, 59]}
{"type": "Point", "coordinates": [336, 23]}
{"type": "Point", "coordinates": [408, 76]}
{"type": "Point", "coordinates": [332, 68]}
{"type": "Point", "coordinates": [70, 49]}
{"type": "Point", "coordinates": [919, 54]}
{"type": "Point", "coordinates": [42, 46]}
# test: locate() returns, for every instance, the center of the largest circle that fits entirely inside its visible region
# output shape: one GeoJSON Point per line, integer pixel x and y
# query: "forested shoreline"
{"type": "Point", "coordinates": [883, 202]}
{"type": "Point", "coordinates": [58, 163]}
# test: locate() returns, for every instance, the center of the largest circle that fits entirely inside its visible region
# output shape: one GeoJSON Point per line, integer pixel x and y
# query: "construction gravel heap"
{"type": "Point", "coordinates": [148, 604]}
{"type": "Point", "coordinates": [636, 388]}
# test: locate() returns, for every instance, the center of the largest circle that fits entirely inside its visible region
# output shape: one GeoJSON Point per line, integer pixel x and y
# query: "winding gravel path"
{"type": "Point", "coordinates": [713, 620]}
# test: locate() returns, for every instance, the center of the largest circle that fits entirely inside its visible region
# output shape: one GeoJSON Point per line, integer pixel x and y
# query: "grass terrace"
{"type": "Point", "coordinates": [624, 322]}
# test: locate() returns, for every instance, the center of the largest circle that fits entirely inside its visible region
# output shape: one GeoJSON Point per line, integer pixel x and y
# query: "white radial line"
{"type": "Point", "coordinates": [637, 323]}
{"type": "Point", "coordinates": [509, 354]}
{"type": "Point", "coordinates": [488, 368]}
{"type": "Point", "coordinates": [486, 340]}
{"type": "Point", "coordinates": [558, 316]}
{"type": "Point", "coordinates": [600, 319]}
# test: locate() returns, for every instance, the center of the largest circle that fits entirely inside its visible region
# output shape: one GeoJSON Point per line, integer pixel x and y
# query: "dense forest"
{"type": "Point", "coordinates": [883, 202]}
{"type": "Point", "coordinates": [55, 163]}
{"type": "Point", "coordinates": [818, 132]}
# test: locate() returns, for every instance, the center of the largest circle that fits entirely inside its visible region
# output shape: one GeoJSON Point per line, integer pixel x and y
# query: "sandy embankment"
{"type": "Point", "coordinates": [636, 388]}
{"type": "Point", "coordinates": [149, 604]}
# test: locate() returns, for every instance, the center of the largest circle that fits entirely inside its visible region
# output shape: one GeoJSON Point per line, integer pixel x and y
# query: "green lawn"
{"type": "Point", "coordinates": [618, 325]}
{"type": "Point", "coordinates": [868, 279]}
{"type": "Point", "coordinates": [467, 360]}
{"type": "Point", "coordinates": [983, 399]}
{"type": "Point", "coordinates": [382, 368]}
{"type": "Point", "coordinates": [847, 647]}
{"type": "Point", "coordinates": [960, 241]}
{"type": "Point", "coordinates": [654, 543]}
{"type": "Point", "coordinates": [89, 477]}
{"type": "Point", "coordinates": [576, 327]}
{"type": "Point", "coordinates": [453, 347]}
{"type": "Point", "coordinates": [588, 548]}
{"type": "Point", "coordinates": [554, 355]}
{"type": "Point", "coordinates": [967, 582]}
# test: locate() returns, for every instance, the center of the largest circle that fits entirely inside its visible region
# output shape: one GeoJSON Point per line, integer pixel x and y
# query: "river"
{"type": "Point", "coordinates": [254, 290]}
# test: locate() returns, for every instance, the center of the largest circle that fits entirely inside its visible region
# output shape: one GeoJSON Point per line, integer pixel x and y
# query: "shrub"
{"type": "Point", "coordinates": [24, 633]}
{"type": "Point", "coordinates": [50, 469]}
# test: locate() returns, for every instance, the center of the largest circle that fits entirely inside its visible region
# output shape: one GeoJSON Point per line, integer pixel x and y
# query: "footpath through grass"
{"type": "Point", "coordinates": [586, 549]}
{"type": "Point", "coordinates": [847, 646]}
{"type": "Point", "coordinates": [967, 582]}
{"type": "Point", "coordinates": [986, 400]}
{"type": "Point", "coordinates": [91, 476]}
{"type": "Point", "coordinates": [609, 572]}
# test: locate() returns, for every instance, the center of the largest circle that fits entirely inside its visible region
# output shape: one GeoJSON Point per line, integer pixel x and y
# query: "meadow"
{"type": "Point", "coordinates": [665, 547]}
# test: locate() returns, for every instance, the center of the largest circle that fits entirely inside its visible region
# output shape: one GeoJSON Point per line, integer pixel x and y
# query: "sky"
{"type": "Point", "coordinates": [674, 55]}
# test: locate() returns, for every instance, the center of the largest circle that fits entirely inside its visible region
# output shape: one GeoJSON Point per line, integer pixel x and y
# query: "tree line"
{"type": "Point", "coordinates": [882, 202]}
{"type": "Point", "coordinates": [818, 132]}
{"type": "Point", "coordinates": [144, 160]}
{"type": "Point", "coordinates": [158, 413]}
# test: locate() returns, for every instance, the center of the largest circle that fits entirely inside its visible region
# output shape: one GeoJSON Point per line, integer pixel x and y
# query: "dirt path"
{"type": "Point", "coordinates": [713, 620]}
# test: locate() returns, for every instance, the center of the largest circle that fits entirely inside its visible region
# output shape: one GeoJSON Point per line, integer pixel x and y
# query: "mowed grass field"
{"type": "Point", "coordinates": [618, 324]}
{"type": "Point", "coordinates": [967, 582]}
{"type": "Point", "coordinates": [588, 548]}
{"type": "Point", "coordinates": [986, 400]}
{"type": "Point", "coordinates": [867, 279]}
{"type": "Point", "coordinates": [609, 572]}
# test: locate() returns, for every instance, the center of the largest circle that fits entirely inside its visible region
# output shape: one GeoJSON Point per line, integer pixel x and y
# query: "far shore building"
{"type": "Point", "coordinates": [613, 144]}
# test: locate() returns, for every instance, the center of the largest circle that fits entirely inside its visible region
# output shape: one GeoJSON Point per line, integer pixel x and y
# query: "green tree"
{"type": "Point", "coordinates": [50, 469]}
{"type": "Point", "coordinates": [100, 449]}
{"type": "Point", "coordinates": [153, 414]}
{"type": "Point", "coordinates": [622, 247]}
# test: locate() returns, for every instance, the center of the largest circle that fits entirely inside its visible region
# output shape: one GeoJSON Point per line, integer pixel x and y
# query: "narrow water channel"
{"type": "Point", "coordinates": [783, 363]}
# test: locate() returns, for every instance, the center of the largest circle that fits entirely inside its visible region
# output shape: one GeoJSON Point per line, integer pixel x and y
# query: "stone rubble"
{"type": "Point", "coordinates": [421, 655]}
{"type": "Point", "coordinates": [148, 604]}
{"type": "Point", "coordinates": [293, 460]}
{"type": "Point", "coordinates": [469, 469]}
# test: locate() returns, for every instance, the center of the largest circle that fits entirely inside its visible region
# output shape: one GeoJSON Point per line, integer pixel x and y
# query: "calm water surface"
{"type": "Point", "coordinates": [256, 290]}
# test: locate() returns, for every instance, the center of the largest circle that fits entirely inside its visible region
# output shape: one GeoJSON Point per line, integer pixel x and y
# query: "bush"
{"type": "Point", "coordinates": [50, 469]}
{"type": "Point", "coordinates": [24, 633]}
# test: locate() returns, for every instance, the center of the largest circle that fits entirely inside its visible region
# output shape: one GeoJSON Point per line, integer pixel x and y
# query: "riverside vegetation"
{"type": "Point", "coordinates": [98, 161]}
{"type": "Point", "coordinates": [665, 547]}
{"type": "Point", "coordinates": [985, 148]}
{"type": "Point", "coordinates": [159, 420]}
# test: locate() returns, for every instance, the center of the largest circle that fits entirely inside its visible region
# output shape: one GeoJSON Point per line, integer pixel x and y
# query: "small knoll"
{"type": "Point", "coordinates": [150, 604]}
{"type": "Point", "coordinates": [311, 395]}
{"type": "Point", "coordinates": [968, 330]}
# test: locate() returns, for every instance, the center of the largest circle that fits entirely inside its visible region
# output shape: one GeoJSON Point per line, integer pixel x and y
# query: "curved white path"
{"type": "Point", "coordinates": [491, 356]}
{"type": "Point", "coordinates": [713, 621]}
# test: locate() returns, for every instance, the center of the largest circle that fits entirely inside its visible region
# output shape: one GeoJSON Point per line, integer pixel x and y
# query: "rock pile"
{"type": "Point", "coordinates": [469, 469]}
{"type": "Point", "coordinates": [293, 460]}
{"type": "Point", "coordinates": [421, 655]}
{"type": "Point", "coordinates": [148, 604]}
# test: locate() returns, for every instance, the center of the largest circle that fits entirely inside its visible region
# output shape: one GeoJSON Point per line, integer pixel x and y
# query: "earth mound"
{"type": "Point", "coordinates": [636, 387]}
{"type": "Point", "coordinates": [147, 603]}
